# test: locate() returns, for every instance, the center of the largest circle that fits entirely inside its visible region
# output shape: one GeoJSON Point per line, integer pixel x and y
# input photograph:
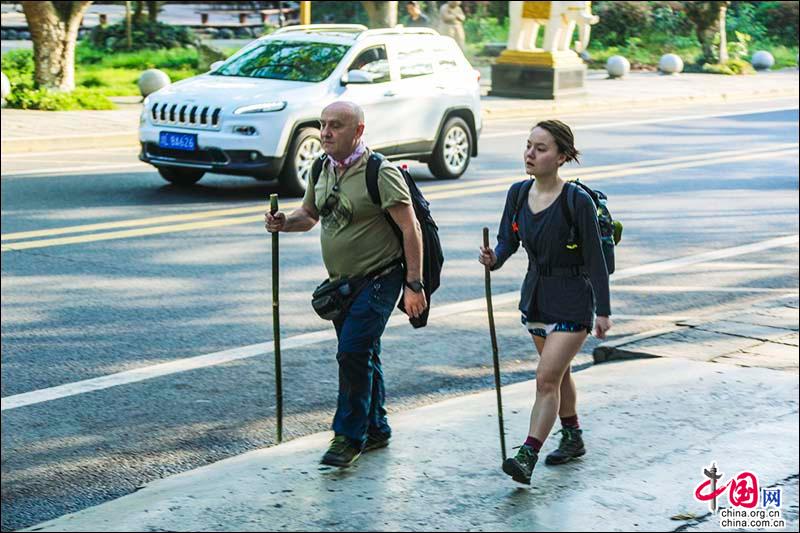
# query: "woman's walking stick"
{"type": "Point", "coordinates": [494, 349]}
{"type": "Point", "coordinates": [276, 322]}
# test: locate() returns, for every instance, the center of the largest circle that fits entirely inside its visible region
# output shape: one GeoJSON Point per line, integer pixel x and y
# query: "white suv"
{"type": "Point", "coordinates": [257, 114]}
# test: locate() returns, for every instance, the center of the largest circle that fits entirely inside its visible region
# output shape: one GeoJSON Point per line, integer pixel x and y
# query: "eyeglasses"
{"type": "Point", "coordinates": [330, 204]}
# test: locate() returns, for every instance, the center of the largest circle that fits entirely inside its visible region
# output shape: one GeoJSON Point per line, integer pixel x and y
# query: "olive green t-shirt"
{"type": "Point", "coordinates": [356, 238]}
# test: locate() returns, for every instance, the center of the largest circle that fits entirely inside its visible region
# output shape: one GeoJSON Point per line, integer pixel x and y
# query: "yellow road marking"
{"type": "Point", "coordinates": [432, 193]}
{"type": "Point", "coordinates": [144, 221]}
{"type": "Point", "coordinates": [584, 174]}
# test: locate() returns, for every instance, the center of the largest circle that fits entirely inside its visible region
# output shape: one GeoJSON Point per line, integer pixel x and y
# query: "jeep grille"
{"type": "Point", "coordinates": [186, 115]}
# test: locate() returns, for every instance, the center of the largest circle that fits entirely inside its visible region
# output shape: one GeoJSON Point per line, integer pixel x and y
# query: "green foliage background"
{"type": "Point", "coordinates": [640, 31]}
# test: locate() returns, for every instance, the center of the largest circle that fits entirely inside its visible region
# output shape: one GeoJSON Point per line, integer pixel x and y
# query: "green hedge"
{"type": "Point", "coordinates": [98, 75]}
{"type": "Point", "coordinates": [145, 36]}
{"type": "Point", "coordinates": [768, 22]}
{"type": "Point", "coordinates": [26, 97]}
{"type": "Point", "coordinates": [732, 67]}
{"type": "Point", "coordinates": [485, 30]}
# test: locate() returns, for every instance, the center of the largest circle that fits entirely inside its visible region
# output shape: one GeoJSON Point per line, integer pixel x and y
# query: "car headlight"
{"type": "Point", "coordinates": [145, 107]}
{"type": "Point", "coordinates": [267, 107]}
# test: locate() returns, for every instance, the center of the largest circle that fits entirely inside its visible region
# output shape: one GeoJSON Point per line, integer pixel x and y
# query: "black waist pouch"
{"type": "Point", "coordinates": [332, 299]}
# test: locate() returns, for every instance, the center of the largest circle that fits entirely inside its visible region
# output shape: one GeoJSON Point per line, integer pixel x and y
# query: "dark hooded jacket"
{"type": "Point", "coordinates": [560, 284]}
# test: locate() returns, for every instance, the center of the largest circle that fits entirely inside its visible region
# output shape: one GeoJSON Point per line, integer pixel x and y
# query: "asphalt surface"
{"type": "Point", "coordinates": [683, 181]}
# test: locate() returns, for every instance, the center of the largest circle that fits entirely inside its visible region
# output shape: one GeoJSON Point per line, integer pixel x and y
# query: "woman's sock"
{"type": "Point", "coordinates": [570, 422]}
{"type": "Point", "coordinates": [533, 442]}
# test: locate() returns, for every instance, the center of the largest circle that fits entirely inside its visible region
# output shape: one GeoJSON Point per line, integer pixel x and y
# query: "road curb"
{"type": "Point", "coordinates": [594, 104]}
{"type": "Point", "coordinates": [69, 142]}
{"type": "Point", "coordinates": [622, 349]}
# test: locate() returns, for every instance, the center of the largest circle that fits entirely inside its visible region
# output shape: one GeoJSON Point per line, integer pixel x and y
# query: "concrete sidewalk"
{"type": "Point", "coordinates": [650, 426]}
{"type": "Point", "coordinates": [765, 335]}
{"type": "Point", "coordinates": [33, 131]}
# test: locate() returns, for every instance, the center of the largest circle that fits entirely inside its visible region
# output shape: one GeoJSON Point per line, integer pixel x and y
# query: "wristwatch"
{"type": "Point", "coordinates": [415, 285]}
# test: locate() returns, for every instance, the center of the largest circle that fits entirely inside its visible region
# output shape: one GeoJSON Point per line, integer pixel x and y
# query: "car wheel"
{"type": "Point", "coordinates": [305, 148]}
{"type": "Point", "coordinates": [451, 155]}
{"type": "Point", "coordinates": [181, 176]}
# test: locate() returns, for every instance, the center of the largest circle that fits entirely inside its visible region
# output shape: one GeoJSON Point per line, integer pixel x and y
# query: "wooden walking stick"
{"type": "Point", "coordinates": [495, 357]}
{"type": "Point", "coordinates": [276, 322]}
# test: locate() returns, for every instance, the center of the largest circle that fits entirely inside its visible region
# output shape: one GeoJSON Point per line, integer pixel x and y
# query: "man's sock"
{"type": "Point", "coordinates": [534, 443]}
{"type": "Point", "coordinates": [570, 422]}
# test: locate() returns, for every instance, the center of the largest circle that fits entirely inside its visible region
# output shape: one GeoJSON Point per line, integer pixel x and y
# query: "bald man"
{"type": "Point", "coordinates": [358, 243]}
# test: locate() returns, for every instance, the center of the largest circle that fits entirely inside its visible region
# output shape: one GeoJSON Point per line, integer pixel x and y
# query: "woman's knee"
{"type": "Point", "coordinates": [547, 383]}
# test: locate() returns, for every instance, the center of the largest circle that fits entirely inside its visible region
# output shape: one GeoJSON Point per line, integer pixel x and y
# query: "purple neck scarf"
{"type": "Point", "coordinates": [352, 158]}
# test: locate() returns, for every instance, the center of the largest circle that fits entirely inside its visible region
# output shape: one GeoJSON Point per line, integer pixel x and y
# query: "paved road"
{"type": "Point", "coordinates": [106, 269]}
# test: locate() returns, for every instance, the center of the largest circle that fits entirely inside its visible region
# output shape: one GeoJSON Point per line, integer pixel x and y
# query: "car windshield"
{"type": "Point", "coordinates": [285, 60]}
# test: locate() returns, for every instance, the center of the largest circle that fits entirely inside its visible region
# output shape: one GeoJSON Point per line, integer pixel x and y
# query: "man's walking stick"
{"type": "Point", "coordinates": [276, 323]}
{"type": "Point", "coordinates": [494, 349]}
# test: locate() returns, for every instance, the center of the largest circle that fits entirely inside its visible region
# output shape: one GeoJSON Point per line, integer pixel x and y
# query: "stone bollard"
{"type": "Point", "coordinates": [6, 86]}
{"type": "Point", "coordinates": [152, 80]}
{"type": "Point", "coordinates": [762, 60]}
{"type": "Point", "coordinates": [617, 67]}
{"type": "Point", "coordinates": [670, 64]}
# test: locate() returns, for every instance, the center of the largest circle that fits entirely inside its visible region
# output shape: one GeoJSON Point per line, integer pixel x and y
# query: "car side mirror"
{"type": "Point", "coordinates": [357, 76]}
{"type": "Point", "coordinates": [215, 65]}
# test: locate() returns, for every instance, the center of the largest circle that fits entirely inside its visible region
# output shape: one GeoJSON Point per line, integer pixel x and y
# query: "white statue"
{"type": "Point", "coordinates": [560, 20]}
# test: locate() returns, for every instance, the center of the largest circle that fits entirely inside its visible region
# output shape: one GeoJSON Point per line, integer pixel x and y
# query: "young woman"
{"type": "Point", "coordinates": [566, 284]}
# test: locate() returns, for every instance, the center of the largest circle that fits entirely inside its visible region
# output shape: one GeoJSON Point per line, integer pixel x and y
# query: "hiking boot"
{"type": "Point", "coordinates": [375, 441]}
{"type": "Point", "coordinates": [520, 467]}
{"type": "Point", "coordinates": [341, 452]}
{"type": "Point", "coordinates": [570, 447]}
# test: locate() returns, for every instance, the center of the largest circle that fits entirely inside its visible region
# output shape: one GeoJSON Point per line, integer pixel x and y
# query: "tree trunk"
{"type": "Point", "coordinates": [152, 11]}
{"type": "Point", "coordinates": [706, 16]}
{"type": "Point", "coordinates": [706, 39]}
{"type": "Point", "coordinates": [381, 14]}
{"type": "Point", "coordinates": [723, 36]}
{"type": "Point", "coordinates": [138, 13]}
{"type": "Point", "coordinates": [128, 26]}
{"type": "Point", "coordinates": [54, 32]}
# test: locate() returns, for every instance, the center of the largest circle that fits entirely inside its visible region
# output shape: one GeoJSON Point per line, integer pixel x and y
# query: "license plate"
{"type": "Point", "coordinates": [178, 141]}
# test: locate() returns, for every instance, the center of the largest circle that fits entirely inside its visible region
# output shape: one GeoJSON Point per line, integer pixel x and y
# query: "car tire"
{"type": "Point", "coordinates": [450, 157]}
{"type": "Point", "coordinates": [296, 172]}
{"type": "Point", "coordinates": [183, 177]}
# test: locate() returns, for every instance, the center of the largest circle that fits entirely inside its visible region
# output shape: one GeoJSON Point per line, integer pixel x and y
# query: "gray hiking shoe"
{"type": "Point", "coordinates": [521, 466]}
{"type": "Point", "coordinates": [571, 447]}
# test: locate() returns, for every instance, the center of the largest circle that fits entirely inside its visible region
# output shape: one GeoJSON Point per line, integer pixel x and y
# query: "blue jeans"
{"type": "Point", "coordinates": [361, 391]}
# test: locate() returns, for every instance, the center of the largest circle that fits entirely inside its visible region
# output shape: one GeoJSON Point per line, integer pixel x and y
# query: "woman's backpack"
{"type": "Point", "coordinates": [610, 229]}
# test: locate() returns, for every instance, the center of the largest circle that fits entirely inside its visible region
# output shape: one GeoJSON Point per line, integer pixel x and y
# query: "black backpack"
{"type": "Point", "coordinates": [610, 229]}
{"type": "Point", "coordinates": [432, 256]}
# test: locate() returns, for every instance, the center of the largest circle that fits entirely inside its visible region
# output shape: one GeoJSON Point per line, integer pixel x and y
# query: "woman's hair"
{"type": "Point", "coordinates": [563, 137]}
